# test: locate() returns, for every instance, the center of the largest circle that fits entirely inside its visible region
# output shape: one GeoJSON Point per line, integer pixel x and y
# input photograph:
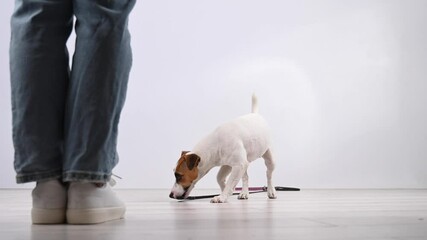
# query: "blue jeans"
{"type": "Point", "coordinates": [65, 120]}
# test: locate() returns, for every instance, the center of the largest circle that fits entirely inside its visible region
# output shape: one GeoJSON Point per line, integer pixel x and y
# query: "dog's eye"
{"type": "Point", "coordinates": [178, 177]}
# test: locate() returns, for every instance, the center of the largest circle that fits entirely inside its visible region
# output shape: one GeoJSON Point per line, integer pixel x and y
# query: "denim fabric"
{"type": "Point", "coordinates": [65, 119]}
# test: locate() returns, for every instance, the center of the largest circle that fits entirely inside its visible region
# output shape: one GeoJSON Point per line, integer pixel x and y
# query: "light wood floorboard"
{"type": "Point", "coordinates": [305, 215]}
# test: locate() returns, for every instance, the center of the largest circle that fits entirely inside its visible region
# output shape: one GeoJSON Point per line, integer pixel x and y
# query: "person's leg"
{"type": "Point", "coordinates": [39, 72]}
{"type": "Point", "coordinates": [99, 77]}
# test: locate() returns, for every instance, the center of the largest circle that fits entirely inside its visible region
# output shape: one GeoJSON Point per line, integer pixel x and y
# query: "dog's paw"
{"type": "Point", "coordinates": [243, 195]}
{"type": "Point", "coordinates": [218, 199]}
{"type": "Point", "coordinates": [271, 193]}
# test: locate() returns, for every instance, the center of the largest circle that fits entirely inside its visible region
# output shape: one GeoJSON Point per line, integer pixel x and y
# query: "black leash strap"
{"type": "Point", "coordinates": [251, 189]}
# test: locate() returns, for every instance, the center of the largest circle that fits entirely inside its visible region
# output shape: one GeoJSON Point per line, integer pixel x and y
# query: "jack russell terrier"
{"type": "Point", "coordinates": [233, 145]}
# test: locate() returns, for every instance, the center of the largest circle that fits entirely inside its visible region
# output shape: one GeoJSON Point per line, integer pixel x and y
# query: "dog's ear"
{"type": "Point", "coordinates": [192, 160]}
{"type": "Point", "coordinates": [184, 152]}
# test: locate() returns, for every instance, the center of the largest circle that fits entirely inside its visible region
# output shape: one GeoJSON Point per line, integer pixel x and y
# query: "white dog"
{"type": "Point", "coordinates": [232, 146]}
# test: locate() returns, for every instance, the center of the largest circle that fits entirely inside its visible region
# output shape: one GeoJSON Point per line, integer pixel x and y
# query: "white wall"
{"type": "Point", "coordinates": [342, 83]}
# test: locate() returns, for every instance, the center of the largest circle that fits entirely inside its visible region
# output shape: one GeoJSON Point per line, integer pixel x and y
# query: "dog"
{"type": "Point", "coordinates": [231, 146]}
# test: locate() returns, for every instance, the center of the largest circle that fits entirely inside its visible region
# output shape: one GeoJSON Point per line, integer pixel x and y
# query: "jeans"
{"type": "Point", "coordinates": [65, 119]}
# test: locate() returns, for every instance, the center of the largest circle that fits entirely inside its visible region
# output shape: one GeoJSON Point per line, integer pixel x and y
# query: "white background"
{"type": "Point", "coordinates": [342, 83]}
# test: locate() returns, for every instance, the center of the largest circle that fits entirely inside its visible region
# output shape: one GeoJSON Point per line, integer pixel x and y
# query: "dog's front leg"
{"type": "Point", "coordinates": [223, 172]}
{"type": "Point", "coordinates": [235, 176]}
{"type": "Point", "coordinates": [244, 194]}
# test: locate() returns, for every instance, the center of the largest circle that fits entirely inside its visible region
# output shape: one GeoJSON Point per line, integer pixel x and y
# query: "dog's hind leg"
{"type": "Point", "coordinates": [244, 194]}
{"type": "Point", "coordinates": [223, 173]}
{"type": "Point", "coordinates": [269, 163]}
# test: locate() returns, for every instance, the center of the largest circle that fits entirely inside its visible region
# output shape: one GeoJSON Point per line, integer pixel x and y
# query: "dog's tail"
{"type": "Point", "coordinates": [254, 103]}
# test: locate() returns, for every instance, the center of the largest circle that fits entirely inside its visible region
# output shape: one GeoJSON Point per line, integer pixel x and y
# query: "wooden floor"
{"type": "Point", "coordinates": [309, 214]}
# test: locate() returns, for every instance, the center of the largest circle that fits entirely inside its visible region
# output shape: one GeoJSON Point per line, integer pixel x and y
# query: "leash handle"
{"type": "Point", "coordinates": [278, 188]}
{"type": "Point", "coordinates": [287, 189]}
{"type": "Point", "coordinates": [252, 189]}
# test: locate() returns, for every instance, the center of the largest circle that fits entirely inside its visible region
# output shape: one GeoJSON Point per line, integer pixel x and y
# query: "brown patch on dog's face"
{"type": "Point", "coordinates": [186, 172]}
{"type": "Point", "coordinates": [186, 169]}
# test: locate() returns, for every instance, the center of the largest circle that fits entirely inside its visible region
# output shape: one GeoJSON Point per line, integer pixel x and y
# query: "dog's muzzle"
{"type": "Point", "coordinates": [182, 196]}
{"type": "Point", "coordinates": [171, 195]}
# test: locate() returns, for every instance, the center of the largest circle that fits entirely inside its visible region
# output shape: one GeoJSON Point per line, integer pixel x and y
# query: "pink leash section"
{"type": "Point", "coordinates": [252, 190]}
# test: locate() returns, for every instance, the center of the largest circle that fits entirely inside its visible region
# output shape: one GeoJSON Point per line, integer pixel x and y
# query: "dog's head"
{"type": "Point", "coordinates": [186, 175]}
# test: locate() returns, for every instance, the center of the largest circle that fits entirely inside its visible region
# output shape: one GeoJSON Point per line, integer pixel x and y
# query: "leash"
{"type": "Point", "coordinates": [251, 189]}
